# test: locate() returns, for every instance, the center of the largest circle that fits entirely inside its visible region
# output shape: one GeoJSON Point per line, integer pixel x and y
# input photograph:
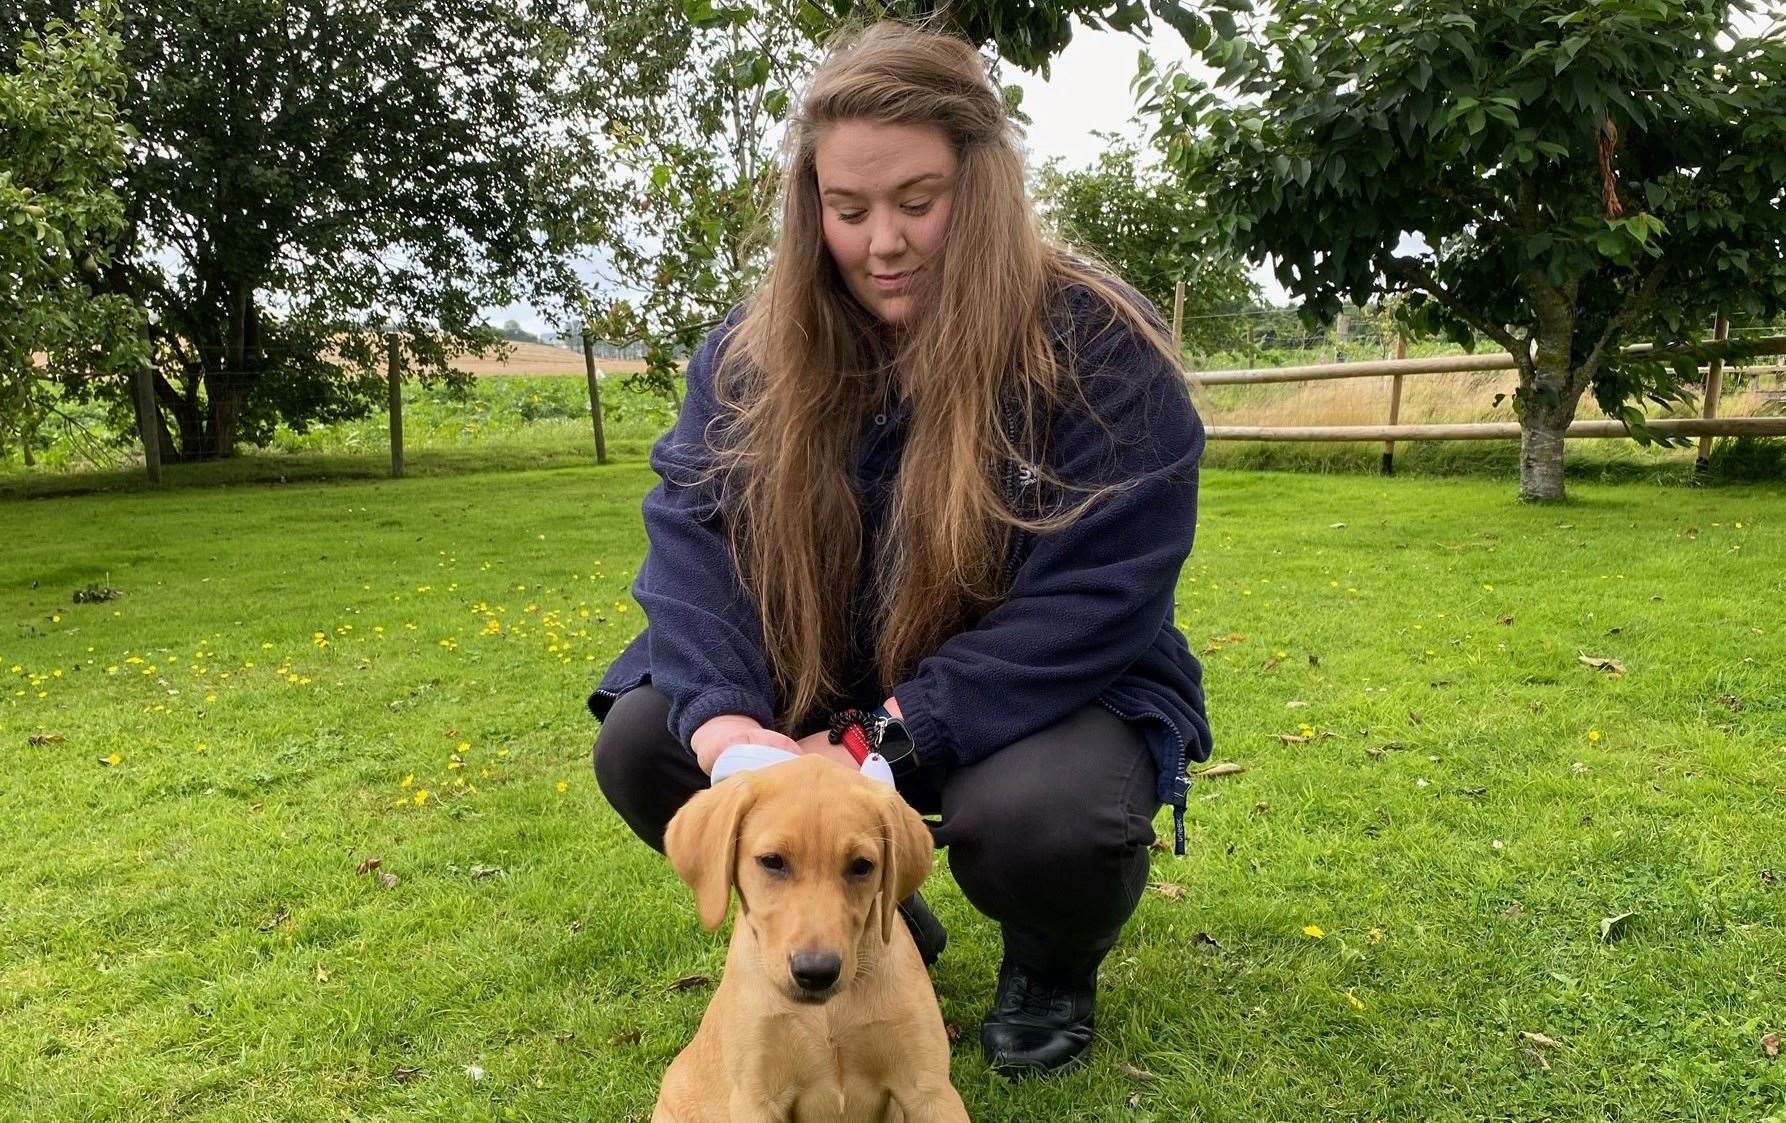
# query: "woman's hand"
{"type": "Point", "coordinates": [819, 744]}
{"type": "Point", "coordinates": [716, 735]}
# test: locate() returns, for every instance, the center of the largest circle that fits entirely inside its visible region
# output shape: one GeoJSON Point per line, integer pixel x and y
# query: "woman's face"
{"type": "Point", "coordinates": [885, 191]}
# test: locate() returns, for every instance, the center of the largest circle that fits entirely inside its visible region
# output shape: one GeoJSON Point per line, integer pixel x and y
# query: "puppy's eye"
{"type": "Point", "coordinates": [861, 867]}
{"type": "Point", "coordinates": [772, 862]}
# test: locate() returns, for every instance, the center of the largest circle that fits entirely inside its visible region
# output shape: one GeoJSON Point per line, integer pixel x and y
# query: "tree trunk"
{"type": "Point", "coordinates": [1541, 455]}
{"type": "Point", "coordinates": [224, 398]}
{"type": "Point", "coordinates": [226, 390]}
{"type": "Point", "coordinates": [188, 420]}
{"type": "Point", "coordinates": [1547, 400]}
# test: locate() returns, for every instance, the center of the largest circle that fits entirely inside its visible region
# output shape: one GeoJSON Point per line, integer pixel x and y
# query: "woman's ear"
{"type": "Point", "coordinates": [702, 844]}
{"type": "Point", "coordinates": [907, 853]}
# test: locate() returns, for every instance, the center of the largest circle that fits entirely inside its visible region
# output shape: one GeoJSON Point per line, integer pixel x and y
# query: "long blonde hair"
{"type": "Point", "coordinates": [807, 365]}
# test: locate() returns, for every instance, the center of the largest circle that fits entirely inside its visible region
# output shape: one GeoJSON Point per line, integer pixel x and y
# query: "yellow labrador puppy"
{"type": "Point", "coordinates": [825, 1012]}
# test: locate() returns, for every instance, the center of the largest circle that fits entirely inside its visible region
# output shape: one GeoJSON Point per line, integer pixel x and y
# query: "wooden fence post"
{"type": "Point", "coordinates": [146, 420]}
{"type": "Point", "coordinates": [394, 373]}
{"type": "Point", "coordinates": [1178, 317]}
{"type": "Point", "coordinates": [1714, 389]}
{"type": "Point", "coordinates": [1395, 405]}
{"type": "Point", "coordinates": [595, 398]}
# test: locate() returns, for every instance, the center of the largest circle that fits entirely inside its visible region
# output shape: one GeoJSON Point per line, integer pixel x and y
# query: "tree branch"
{"type": "Point", "coordinates": [1584, 374]}
{"type": "Point", "coordinates": [95, 452]}
{"type": "Point", "coordinates": [1417, 275]}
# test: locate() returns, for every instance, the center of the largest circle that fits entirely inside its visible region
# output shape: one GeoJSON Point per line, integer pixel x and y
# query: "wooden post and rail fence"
{"type": "Point", "coordinates": [1705, 427]}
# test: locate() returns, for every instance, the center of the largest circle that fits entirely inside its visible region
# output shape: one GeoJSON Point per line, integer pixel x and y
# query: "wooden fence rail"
{"type": "Point", "coordinates": [1451, 364]}
{"type": "Point", "coordinates": [1707, 426]}
{"type": "Point", "coordinates": [1496, 430]}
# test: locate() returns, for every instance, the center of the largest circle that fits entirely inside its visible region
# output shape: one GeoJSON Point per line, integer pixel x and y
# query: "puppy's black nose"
{"type": "Point", "coordinates": [815, 970]}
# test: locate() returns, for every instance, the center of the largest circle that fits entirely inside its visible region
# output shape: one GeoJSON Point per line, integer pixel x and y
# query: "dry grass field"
{"type": "Point", "coordinates": [543, 359]}
{"type": "Point", "coordinates": [1426, 398]}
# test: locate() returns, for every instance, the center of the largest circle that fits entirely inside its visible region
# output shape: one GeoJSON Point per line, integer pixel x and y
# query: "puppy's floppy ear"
{"type": "Point", "coordinates": [702, 844]}
{"type": "Point", "coordinates": [907, 853]}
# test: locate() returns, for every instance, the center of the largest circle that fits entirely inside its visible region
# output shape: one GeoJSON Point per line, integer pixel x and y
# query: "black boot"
{"type": "Point", "coordinates": [927, 931]}
{"type": "Point", "coordinates": [1039, 1024]}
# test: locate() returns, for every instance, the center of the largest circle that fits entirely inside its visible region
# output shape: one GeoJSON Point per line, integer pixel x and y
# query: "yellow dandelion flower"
{"type": "Point", "coordinates": [562, 787]}
{"type": "Point", "coordinates": [202, 747]}
{"type": "Point", "coordinates": [408, 780]}
{"type": "Point", "coordinates": [421, 797]}
{"type": "Point", "coordinates": [1594, 736]}
{"type": "Point", "coordinates": [114, 759]}
{"type": "Point", "coordinates": [1313, 932]}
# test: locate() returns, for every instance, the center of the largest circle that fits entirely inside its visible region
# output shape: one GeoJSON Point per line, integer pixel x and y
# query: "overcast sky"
{"type": "Point", "coordinates": [1087, 90]}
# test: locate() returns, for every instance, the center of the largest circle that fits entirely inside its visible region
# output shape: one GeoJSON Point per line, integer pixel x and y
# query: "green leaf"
{"type": "Point", "coordinates": [701, 13]}
{"type": "Point", "coordinates": [1190, 27]}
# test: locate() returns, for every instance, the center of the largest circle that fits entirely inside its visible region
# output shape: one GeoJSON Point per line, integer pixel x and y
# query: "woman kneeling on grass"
{"type": "Point", "coordinates": [935, 479]}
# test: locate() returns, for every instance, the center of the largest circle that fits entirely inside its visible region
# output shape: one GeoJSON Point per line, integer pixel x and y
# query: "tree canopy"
{"type": "Point", "coordinates": [59, 217]}
{"type": "Point", "coordinates": [1585, 174]}
{"type": "Point", "coordinates": [300, 164]}
{"type": "Point", "coordinates": [1133, 214]}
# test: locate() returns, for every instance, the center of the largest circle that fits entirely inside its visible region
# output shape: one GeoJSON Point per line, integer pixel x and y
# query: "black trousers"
{"type": "Point", "coordinates": [1049, 836]}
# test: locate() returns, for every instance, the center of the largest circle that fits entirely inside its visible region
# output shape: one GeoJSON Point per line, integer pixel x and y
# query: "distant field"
{"type": "Point", "coordinates": [543, 358]}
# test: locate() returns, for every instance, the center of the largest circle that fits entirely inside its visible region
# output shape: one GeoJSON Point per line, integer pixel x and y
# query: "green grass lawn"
{"type": "Point", "coordinates": [301, 678]}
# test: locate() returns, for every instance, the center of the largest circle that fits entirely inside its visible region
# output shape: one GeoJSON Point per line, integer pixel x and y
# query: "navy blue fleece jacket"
{"type": "Point", "coordinates": [1089, 617]}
